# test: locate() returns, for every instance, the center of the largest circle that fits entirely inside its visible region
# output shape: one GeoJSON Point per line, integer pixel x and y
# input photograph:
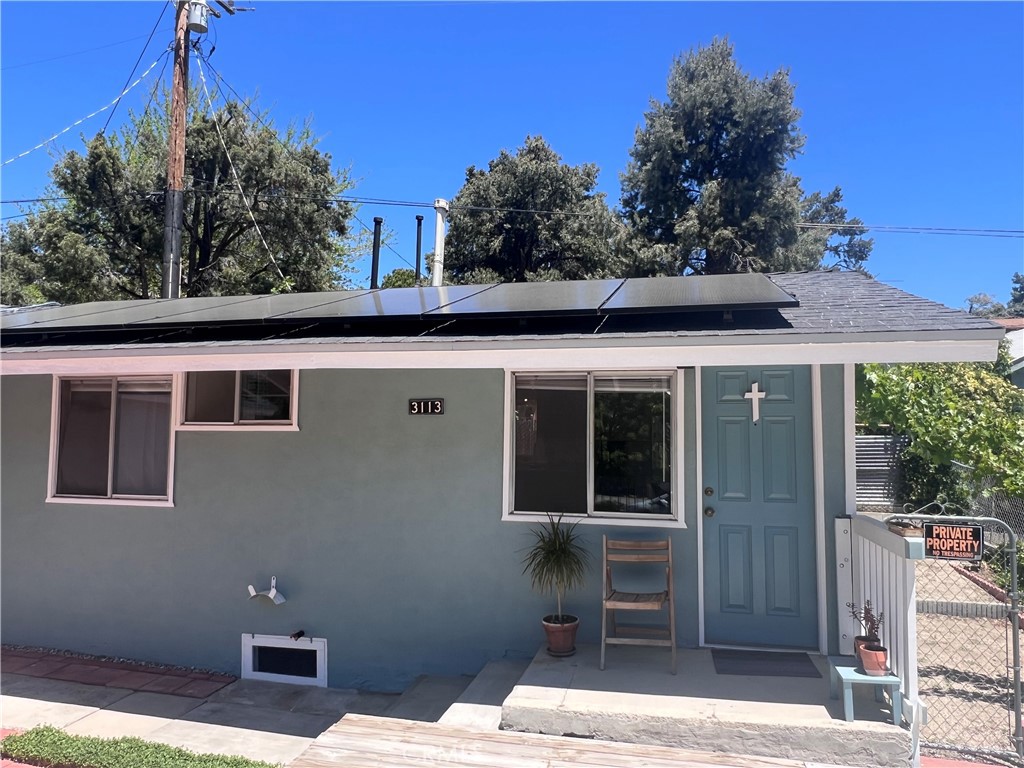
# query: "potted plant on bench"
{"type": "Point", "coordinates": [873, 656]}
{"type": "Point", "coordinates": [557, 562]}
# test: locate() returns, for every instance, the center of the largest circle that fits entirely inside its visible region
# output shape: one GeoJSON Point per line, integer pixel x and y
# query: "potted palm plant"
{"type": "Point", "coordinates": [557, 562]}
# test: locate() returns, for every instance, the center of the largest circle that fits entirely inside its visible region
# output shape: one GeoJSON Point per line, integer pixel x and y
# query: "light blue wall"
{"type": "Point", "coordinates": [383, 530]}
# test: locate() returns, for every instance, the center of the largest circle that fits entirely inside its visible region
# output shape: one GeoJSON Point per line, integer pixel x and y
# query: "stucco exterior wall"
{"type": "Point", "coordinates": [384, 531]}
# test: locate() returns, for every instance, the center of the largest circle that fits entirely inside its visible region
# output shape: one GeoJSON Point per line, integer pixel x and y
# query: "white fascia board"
{"type": "Point", "coordinates": [569, 354]}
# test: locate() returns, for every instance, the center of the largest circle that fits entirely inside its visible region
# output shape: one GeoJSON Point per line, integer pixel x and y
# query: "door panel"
{"type": "Point", "coordinates": [779, 443]}
{"type": "Point", "coordinates": [759, 565]}
{"type": "Point", "coordinates": [737, 587]}
{"type": "Point", "coordinates": [782, 586]}
{"type": "Point", "coordinates": [734, 458]}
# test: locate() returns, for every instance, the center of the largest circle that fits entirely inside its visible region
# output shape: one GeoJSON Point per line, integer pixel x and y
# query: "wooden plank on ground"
{"type": "Point", "coordinates": [364, 741]}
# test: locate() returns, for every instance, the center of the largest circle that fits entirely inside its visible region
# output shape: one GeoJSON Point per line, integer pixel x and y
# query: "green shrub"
{"type": "Point", "coordinates": [49, 746]}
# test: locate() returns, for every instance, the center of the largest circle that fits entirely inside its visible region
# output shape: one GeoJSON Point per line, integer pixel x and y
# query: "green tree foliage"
{"type": "Point", "coordinates": [831, 238]}
{"type": "Point", "coordinates": [528, 217]}
{"type": "Point", "coordinates": [105, 240]}
{"type": "Point", "coordinates": [707, 190]}
{"type": "Point", "coordinates": [399, 278]}
{"type": "Point", "coordinates": [986, 305]}
{"type": "Point", "coordinates": [1015, 306]}
{"type": "Point", "coordinates": [963, 412]}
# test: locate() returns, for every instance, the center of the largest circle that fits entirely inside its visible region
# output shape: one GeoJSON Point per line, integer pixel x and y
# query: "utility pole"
{"type": "Point", "coordinates": [174, 198]}
{"type": "Point", "coordinates": [190, 16]}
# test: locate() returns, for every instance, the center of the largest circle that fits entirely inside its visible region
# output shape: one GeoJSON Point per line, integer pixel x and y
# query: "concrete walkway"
{"type": "Point", "coordinates": [262, 721]}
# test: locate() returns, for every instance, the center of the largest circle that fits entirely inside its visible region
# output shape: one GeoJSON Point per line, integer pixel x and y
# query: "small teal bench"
{"type": "Point", "coordinates": [843, 670]}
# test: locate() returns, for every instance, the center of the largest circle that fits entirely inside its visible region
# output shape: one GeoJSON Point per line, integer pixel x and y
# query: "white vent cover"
{"type": "Point", "coordinates": [279, 659]}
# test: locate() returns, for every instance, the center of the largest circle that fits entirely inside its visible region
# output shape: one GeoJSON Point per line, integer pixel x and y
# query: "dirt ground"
{"type": "Point", "coordinates": [963, 666]}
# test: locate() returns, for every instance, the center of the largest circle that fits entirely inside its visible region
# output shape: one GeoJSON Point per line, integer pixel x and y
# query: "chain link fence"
{"type": "Point", "coordinates": [965, 648]}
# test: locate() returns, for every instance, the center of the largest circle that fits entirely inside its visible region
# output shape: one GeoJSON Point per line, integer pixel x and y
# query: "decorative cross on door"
{"type": "Point", "coordinates": [755, 397]}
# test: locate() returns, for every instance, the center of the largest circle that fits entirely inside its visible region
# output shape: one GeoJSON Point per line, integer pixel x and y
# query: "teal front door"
{"type": "Point", "coordinates": [758, 504]}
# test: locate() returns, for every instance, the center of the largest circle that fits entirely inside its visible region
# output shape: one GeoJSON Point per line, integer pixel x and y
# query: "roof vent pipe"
{"type": "Point", "coordinates": [437, 267]}
{"type": "Point", "coordinates": [375, 265]}
{"type": "Point", "coordinates": [419, 247]}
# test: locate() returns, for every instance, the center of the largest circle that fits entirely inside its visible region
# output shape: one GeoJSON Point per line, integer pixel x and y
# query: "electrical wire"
{"type": "Point", "coordinates": [363, 223]}
{"type": "Point", "coordinates": [69, 55]}
{"type": "Point", "coordinates": [149, 102]}
{"type": "Point", "coordinates": [895, 229]}
{"type": "Point", "coordinates": [87, 117]}
{"type": "Point", "coordinates": [291, 154]}
{"type": "Point", "coordinates": [131, 74]}
{"type": "Point", "coordinates": [238, 182]}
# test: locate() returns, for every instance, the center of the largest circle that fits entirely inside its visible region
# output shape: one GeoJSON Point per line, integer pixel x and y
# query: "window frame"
{"type": "Point", "coordinates": [673, 519]}
{"type": "Point", "coordinates": [52, 497]}
{"type": "Point", "coordinates": [250, 425]}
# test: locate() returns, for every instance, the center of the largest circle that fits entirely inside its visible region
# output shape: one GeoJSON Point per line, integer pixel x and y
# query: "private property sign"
{"type": "Point", "coordinates": [953, 542]}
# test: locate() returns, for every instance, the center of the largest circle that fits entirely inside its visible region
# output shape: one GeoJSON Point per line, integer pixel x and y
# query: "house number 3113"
{"type": "Point", "coordinates": [426, 406]}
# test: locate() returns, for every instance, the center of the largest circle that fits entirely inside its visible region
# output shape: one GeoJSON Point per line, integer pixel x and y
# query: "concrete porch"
{"type": "Point", "coordinates": [636, 699]}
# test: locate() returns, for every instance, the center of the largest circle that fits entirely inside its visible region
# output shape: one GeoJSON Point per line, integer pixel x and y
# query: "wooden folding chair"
{"type": "Point", "coordinates": [618, 551]}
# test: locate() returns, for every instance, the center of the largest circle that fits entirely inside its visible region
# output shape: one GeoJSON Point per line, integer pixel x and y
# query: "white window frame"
{"type": "Point", "coordinates": [114, 500]}
{"type": "Point", "coordinates": [254, 425]}
{"type": "Point", "coordinates": [634, 519]}
{"type": "Point", "coordinates": [318, 644]}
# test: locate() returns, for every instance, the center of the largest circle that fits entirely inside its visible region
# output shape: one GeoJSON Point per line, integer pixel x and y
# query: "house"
{"type": "Point", "coordinates": [1015, 339]}
{"type": "Point", "coordinates": [382, 455]}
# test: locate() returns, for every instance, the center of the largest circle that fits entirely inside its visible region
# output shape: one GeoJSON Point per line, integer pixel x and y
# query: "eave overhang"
{"type": "Point", "coordinates": [627, 351]}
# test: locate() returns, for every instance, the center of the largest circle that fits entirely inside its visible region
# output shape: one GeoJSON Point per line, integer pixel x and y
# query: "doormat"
{"type": "Point", "coordinates": [763, 663]}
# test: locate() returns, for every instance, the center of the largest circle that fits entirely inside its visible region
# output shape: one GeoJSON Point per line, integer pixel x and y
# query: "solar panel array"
{"type": "Point", "coordinates": [503, 300]}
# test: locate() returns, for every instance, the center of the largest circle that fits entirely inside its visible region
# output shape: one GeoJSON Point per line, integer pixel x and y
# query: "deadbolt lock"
{"type": "Point", "coordinates": [709, 491]}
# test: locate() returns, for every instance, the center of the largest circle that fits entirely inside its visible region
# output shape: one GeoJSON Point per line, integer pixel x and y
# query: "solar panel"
{"type": "Point", "coordinates": [390, 303]}
{"type": "Point", "coordinates": [125, 313]}
{"type": "Point", "coordinates": [581, 298]}
{"type": "Point", "coordinates": [256, 309]}
{"type": "Point", "coordinates": [698, 293]}
{"type": "Point", "coordinates": [66, 316]}
{"type": "Point", "coordinates": [575, 297]}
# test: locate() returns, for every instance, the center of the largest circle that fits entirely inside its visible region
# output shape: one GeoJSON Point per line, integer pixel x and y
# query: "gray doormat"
{"type": "Point", "coordinates": [763, 663]}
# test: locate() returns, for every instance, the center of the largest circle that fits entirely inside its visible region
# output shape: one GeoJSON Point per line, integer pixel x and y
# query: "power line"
{"type": "Point", "coordinates": [131, 74]}
{"type": "Point", "coordinates": [238, 182]}
{"type": "Point", "coordinates": [291, 154]}
{"type": "Point", "coordinates": [946, 230]}
{"type": "Point", "coordinates": [87, 117]}
{"type": "Point", "coordinates": [354, 216]}
{"type": "Point", "coordinates": [69, 55]}
{"type": "Point", "coordinates": [149, 102]}
{"type": "Point", "coordinates": [917, 230]}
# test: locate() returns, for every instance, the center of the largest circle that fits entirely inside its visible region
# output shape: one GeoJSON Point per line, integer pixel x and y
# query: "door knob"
{"type": "Point", "coordinates": [709, 511]}
{"type": "Point", "coordinates": [709, 491]}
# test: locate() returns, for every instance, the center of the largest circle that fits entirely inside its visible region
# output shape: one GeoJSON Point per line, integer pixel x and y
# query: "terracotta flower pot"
{"type": "Point", "coordinates": [561, 632]}
{"type": "Point", "coordinates": [860, 641]}
{"type": "Point", "coordinates": [874, 660]}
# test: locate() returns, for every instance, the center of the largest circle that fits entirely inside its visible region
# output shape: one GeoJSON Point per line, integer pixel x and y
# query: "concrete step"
{"type": "Point", "coordinates": [479, 706]}
{"type": "Point", "coordinates": [429, 698]}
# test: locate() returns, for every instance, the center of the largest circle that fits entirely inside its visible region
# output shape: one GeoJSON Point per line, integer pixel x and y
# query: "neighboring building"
{"type": "Point", "coordinates": [383, 454]}
{"type": "Point", "coordinates": [1015, 337]}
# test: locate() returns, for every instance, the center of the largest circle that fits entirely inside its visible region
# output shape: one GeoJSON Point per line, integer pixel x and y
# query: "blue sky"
{"type": "Point", "coordinates": [916, 110]}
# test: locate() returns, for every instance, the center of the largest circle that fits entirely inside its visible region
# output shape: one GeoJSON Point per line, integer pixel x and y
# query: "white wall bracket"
{"type": "Point", "coordinates": [271, 593]}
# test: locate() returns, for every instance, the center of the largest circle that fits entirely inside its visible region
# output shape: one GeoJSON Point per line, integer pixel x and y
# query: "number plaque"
{"type": "Point", "coordinates": [426, 406]}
